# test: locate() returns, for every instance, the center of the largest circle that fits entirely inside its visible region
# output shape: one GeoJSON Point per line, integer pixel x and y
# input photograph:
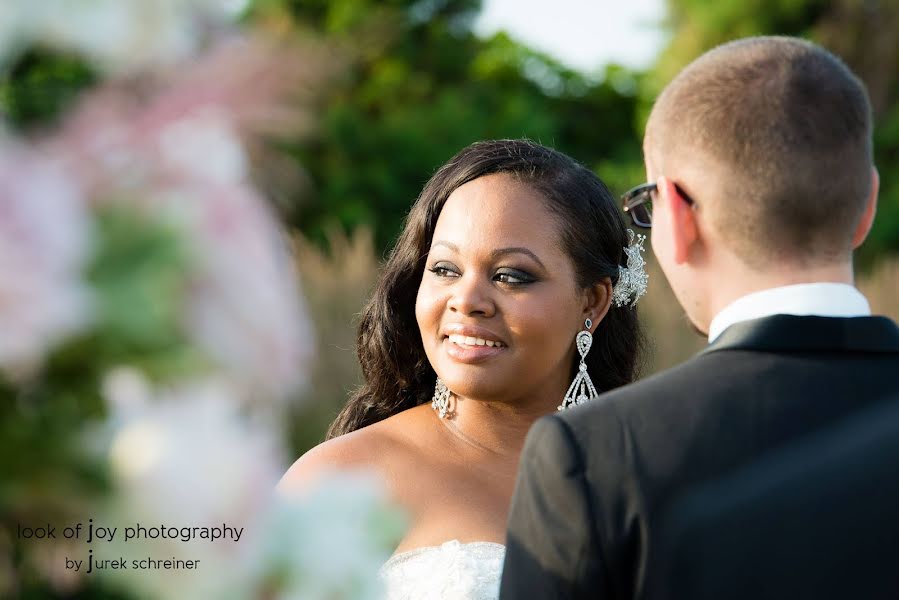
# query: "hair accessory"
{"type": "Point", "coordinates": [632, 279]}
{"type": "Point", "coordinates": [440, 401]}
{"type": "Point", "coordinates": [581, 389]}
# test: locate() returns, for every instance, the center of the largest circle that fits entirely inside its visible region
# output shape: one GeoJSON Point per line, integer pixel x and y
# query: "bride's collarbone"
{"type": "Point", "coordinates": [448, 495]}
{"type": "Point", "coordinates": [454, 505]}
{"type": "Point", "coordinates": [422, 468]}
{"type": "Point", "coordinates": [436, 470]}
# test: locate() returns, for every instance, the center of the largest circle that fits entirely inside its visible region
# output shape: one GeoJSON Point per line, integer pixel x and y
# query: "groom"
{"type": "Point", "coordinates": [763, 184]}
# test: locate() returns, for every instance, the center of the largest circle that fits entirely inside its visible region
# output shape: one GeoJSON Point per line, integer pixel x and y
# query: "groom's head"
{"type": "Point", "coordinates": [763, 155]}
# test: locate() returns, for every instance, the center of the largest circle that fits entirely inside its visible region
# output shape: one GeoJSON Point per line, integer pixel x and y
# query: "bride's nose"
{"type": "Point", "coordinates": [472, 295]}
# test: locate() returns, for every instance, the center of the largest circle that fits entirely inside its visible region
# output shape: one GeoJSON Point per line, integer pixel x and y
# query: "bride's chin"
{"type": "Point", "coordinates": [483, 388]}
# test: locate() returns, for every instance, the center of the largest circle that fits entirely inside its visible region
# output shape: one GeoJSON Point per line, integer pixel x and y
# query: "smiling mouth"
{"type": "Point", "coordinates": [470, 342]}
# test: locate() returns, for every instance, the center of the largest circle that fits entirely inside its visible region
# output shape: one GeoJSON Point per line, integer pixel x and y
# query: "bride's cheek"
{"type": "Point", "coordinates": [427, 309]}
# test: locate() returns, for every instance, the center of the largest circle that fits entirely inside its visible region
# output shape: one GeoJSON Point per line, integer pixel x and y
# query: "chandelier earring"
{"type": "Point", "coordinates": [581, 389]}
{"type": "Point", "coordinates": [441, 400]}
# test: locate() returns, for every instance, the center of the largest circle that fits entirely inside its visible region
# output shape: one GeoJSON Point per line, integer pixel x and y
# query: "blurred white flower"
{"type": "Point", "coordinates": [127, 393]}
{"type": "Point", "coordinates": [45, 241]}
{"type": "Point", "coordinates": [11, 28]}
{"type": "Point", "coordinates": [183, 163]}
{"type": "Point", "coordinates": [331, 541]}
{"type": "Point", "coordinates": [204, 146]}
{"type": "Point", "coordinates": [189, 453]}
{"type": "Point", "coordinates": [186, 456]}
{"type": "Point", "coordinates": [119, 36]}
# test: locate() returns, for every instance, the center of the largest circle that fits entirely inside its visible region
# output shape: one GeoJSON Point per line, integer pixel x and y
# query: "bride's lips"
{"type": "Point", "coordinates": [471, 344]}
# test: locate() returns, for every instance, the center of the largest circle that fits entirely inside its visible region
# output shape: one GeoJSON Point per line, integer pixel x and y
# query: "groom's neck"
{"type": "Point", "coordinates": [726, 286]}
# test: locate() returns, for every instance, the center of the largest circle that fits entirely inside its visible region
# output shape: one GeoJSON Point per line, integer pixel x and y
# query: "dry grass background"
{"type": "Point", "coordinates": [337, 283]}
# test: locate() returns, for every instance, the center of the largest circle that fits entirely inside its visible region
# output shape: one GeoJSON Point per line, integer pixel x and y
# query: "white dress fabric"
{"type": "Point", "coordinates": [451, 571]}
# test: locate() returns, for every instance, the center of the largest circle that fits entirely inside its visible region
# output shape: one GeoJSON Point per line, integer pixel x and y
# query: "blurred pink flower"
{"type": "Point", "coordinates": [245, 306]}
{"type": "Point", "coordinates": [44, 245]}
{"type": "Point", "coordinates": [243, 88]}
{"type": "Point", "coordinates": [177, 155]}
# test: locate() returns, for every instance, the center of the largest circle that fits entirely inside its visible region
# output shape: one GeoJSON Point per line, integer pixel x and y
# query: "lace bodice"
{"type": "Point", "coordinates": [451, 571]}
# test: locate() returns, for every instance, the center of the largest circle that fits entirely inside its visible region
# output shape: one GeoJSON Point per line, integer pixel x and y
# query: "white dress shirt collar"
{"type": "Point", "coordinates": [819, 299]}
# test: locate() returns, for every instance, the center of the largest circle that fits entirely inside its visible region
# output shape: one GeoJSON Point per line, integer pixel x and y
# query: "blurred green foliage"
{"type": "Point", "coordinates": [421, 85]}
{"type": "Point", "coordinates": [141, 290]}
{"type": "Point", "coordinates": [40, 85]}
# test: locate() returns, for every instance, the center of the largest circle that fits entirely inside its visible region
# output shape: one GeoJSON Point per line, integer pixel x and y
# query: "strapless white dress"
{"type": "Point", "coordinates": [451, 571]}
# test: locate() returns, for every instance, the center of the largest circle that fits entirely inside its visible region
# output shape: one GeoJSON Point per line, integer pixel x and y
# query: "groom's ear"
{"type": "Point", "coordinates": [683, 231]}
{"type": "Point", "coordinates": [597, 301]}
{"type": "Point", "coordinates": [867, 220]}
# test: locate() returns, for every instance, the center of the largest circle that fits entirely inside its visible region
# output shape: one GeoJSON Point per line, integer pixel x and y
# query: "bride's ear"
{"type": "Point", "coordinates": [597, 300]}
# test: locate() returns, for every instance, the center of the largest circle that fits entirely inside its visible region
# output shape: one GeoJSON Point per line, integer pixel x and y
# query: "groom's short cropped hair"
{"type": "Point", "coordinates": [784, 128]}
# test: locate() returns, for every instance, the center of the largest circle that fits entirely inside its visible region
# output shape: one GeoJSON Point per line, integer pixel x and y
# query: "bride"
{"type": "Point", "coordinates": [510, 253]}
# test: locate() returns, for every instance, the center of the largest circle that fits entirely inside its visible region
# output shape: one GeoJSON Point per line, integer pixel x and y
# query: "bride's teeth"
{"type": "Point", "coordinates": [456, 338]}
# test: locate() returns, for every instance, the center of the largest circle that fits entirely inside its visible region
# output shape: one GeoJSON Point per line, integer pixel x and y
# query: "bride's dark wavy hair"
{"type": "Point", "coordinates": [397, 373]}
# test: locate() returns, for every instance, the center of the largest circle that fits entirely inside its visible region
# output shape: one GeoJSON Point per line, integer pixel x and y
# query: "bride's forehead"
{"type": "Point", "coordinates": [491, 234]}
{"type": "Point", "coordinates": [498, 200]}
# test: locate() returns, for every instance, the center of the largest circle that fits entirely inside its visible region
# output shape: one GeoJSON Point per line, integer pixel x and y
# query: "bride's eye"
{"type": "Point", "coordinates": [443, 269]}
{"type": "Point", "coordinates": [514, 277]}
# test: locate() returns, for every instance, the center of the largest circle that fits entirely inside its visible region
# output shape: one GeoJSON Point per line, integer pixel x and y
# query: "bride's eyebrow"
{"type": "Point", "coordinates": [445, 244]}
{"type": "Point", "coordinates": [499, 252]}
{"type": "Point", "coordinates": [517, 250]}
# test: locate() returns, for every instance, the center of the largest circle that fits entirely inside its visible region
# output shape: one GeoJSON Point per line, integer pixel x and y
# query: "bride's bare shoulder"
{"type": "Point", "coordinates": [378, 446]}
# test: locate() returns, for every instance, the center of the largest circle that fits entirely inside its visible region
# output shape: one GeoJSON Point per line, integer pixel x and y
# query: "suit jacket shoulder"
{"type": "Point", "coordinates": [763, 384]}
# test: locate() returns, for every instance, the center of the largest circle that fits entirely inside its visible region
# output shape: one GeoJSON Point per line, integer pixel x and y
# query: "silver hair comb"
{"type": "Point", "coordinates": [632, 279]}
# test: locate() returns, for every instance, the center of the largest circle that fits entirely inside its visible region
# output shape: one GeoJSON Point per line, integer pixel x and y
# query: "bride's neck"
{"type": "Point", "coordinates": [492, 428]}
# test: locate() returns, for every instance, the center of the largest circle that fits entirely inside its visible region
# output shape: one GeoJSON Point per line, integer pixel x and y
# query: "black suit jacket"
{"type": "Point", "coordinates": [594, 480]}
{"type": "Point", "coordinates": [818, 519]}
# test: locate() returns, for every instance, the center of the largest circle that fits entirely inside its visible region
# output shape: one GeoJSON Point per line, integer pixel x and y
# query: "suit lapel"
{"type": "Point", "coordinates": [788, 333]}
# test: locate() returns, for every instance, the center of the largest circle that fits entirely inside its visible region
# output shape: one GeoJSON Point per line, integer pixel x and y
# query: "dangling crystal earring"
{"type": "Point", "coordinates": [440, 401]}
{"type": "Point", "coordinates": [581, 389]}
